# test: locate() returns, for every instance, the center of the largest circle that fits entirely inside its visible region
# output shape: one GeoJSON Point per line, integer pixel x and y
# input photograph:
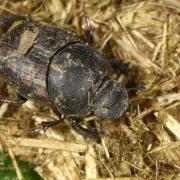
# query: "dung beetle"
{"type": "Point", "coordinates": [51, 65]}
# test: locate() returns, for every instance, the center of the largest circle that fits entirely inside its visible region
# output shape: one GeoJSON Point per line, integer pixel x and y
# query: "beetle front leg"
{"type": "Point", "coordinates": [87, 133]}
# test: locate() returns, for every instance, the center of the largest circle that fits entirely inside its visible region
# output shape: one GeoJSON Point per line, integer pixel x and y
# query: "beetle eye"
{"type": "Point", "coordinates": [110, 101]}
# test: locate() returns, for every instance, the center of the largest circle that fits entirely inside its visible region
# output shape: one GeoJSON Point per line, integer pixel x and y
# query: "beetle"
{"type": "Point", "coordinates": [47, 64]}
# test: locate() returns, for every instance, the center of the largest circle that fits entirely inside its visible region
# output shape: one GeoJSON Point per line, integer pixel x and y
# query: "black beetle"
{"type": "Point", "coordinates": [48, 64]}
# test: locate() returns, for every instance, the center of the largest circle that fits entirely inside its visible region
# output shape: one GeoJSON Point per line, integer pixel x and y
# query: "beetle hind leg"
{"type": "Point", "coordinates": [44, 126]}
{"type": "Point", "coordinates": [87, 133]}
{"type": "Point", "coordinates": [19, 100]}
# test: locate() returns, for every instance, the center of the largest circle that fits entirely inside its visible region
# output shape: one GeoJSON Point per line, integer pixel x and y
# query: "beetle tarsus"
{"type": "Point", "coordinates": [86, 133]}
{"type": "Point", "coordinates": [44, 126]}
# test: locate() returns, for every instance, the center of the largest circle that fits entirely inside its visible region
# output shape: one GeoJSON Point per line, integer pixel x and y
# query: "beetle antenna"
{"type": "Point", "coordinates": [87, 26]}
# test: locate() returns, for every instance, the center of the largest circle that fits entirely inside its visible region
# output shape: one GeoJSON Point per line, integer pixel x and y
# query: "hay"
{"type": "Point", "coordinates": [145, 143]}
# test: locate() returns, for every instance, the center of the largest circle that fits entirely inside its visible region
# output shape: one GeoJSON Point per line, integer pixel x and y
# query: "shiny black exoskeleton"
{"type": "Point", "coordinates": [48, 64]}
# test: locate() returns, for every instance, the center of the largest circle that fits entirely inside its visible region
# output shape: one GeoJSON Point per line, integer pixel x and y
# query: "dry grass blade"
{"type": "Point", "coordinates": [173, 3]}
{"type": "Point", "coordinates": [51, 144]}
{"type": "Point", "coordinates": [91, 165]}
{"type": "Point", "coordinates": [15, 164]}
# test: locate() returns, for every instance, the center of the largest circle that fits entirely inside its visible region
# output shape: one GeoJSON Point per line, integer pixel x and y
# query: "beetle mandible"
{"type": "Point", "coordinates": [48, 64]}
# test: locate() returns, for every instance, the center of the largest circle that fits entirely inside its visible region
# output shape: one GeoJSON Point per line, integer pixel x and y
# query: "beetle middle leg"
{"type": "Point", "coordinates": [87, 133]}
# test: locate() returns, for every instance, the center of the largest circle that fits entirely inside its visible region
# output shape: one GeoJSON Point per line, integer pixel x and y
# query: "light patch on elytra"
{"type": "Point", "coordinates": [59, 98]}
{"type": "Point", "coordinates": [101, 72]}
{"type": "Point", "coordinates": [56, 67]}
{"type": "Point", "coordinates": [39, 82]}
{"type": "Point", "coordinates": [68, 55]}
{"type": "Point", "coordinates": [29, 95]}
{"type": "Point", "coordinates": [69, 63]}
{"type": "Point", "coordinates": [27, 40]}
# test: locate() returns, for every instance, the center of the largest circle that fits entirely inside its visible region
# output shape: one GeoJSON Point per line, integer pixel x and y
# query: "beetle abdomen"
{"type": "Point", "coordinates": [74, 75]}
{"type": "Point", "coordinates": [25, 52]}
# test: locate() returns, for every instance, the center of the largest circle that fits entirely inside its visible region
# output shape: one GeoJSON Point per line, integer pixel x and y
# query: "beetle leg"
{"type": "Point", "coordinates": [87, 27]}
{"type": "Point", "coordinates": [138, 89]}
{"type": "Point", "coordinates": [87, 133]}
{"type": "Point", "coordinates": [44, 126]}
{"type": "Point", "coordinates": [118, 65]}
{"type": "Point", "coordinates": [19, 100]}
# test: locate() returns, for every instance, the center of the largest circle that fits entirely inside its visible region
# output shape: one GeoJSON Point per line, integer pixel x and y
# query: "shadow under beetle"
{"type": "Point", "coordinates": [47, 64]}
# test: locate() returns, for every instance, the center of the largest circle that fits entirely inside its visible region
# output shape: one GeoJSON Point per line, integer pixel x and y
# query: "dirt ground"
{"type": "Point", "coordinates": [145, 142]}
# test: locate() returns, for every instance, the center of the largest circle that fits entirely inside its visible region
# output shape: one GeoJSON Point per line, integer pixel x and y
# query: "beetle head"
{"type": "Point", "coordinates": [110, 100]}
